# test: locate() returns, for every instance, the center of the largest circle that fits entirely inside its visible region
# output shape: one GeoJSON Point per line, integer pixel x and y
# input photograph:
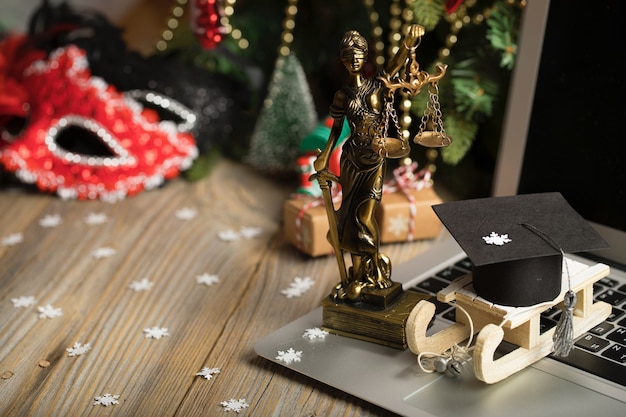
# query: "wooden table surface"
{"type": "Point", "coordinates": [212, 326]}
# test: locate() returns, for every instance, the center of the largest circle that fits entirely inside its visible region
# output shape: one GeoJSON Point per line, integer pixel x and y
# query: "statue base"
{"type": "Point", "coordinates": [381, 320]}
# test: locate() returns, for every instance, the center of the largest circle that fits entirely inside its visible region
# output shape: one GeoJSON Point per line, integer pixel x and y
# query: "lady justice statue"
{"type": "Point", "coordinates": [367, 104]}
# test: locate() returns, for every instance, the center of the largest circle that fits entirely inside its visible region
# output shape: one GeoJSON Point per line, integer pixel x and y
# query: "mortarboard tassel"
{"type": "Point", "coordinates": [563, 338]}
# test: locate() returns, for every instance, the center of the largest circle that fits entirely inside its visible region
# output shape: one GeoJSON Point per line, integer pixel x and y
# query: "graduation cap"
{"type": "Point", "coordinates": [516, 244]}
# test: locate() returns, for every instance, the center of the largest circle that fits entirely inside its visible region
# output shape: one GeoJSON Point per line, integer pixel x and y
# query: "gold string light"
{"type": "Point", "coordinates": [289, 23]}
{"type": "Point", "coordinates": [401, 18]}
{"type": "Point", "coordinates": [377, 32]}
{"type": "Point", "coordinates": [461, 17]}
{"type": "Point", "coordinates": [172, 23]}
{"type": "Point", "coordinates": [236, 34]}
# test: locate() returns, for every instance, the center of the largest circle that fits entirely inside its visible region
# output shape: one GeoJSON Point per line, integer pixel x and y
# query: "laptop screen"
{"type": "Point", "coordinates": [564, 128]}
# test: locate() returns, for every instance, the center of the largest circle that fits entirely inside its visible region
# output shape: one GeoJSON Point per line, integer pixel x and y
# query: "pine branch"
{"type": "Point", "coordinates": [473, 92]}
{"type": "Point", "coordinates": [428, 13]}
{"type": "Point", "coordinates": [502, 33]}
{"type": "Point", "coordinates": [462, 132]}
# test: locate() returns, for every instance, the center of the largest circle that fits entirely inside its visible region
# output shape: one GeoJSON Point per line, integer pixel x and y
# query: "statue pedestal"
{"type": "Point", "coordinates": [381, 320]}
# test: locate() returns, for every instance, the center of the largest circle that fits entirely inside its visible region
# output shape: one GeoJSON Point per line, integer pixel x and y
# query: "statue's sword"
{"type": "Point", "coordinates": [332, 224]}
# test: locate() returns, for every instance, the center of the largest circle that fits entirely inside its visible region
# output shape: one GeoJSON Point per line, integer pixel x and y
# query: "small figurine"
{"type": "Point", "coordinates": [367, 105]}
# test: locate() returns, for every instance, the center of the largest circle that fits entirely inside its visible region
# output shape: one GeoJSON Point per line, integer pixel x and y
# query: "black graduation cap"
{"type": "Point", "coordinates": [516, 244]}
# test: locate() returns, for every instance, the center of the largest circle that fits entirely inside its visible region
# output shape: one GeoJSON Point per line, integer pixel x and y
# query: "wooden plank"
{"type": "Point", "coordinates": [212, 326]}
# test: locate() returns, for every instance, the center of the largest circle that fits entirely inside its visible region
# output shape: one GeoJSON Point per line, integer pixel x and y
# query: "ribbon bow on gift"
{"type": "Point", "coordinates": [405, 180]}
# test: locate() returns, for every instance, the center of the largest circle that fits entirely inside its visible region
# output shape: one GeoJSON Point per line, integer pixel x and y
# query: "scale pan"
{"type": "Point", "coordinates": [432, 139]}
{"type": "Point", "coordinates": [390, 147]}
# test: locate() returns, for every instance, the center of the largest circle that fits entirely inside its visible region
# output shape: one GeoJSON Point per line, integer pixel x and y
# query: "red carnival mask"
{"type": "Point", "coordinates": [84, 139]}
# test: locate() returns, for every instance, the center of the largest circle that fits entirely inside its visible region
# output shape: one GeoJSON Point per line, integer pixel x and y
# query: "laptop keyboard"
{"type": "Point", "coordinates": [601, 351]}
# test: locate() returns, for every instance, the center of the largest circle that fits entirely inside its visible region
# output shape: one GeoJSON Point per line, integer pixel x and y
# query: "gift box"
{"type": "Point", "coordinates": [407, 215]}
{"type": "Point", "coordinates": [402, 216]}
{"type": "Point", "coordinates": [306, 225]}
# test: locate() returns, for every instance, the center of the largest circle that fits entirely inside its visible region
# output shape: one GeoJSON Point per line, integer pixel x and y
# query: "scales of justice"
{"type": "Point", "coordinates": [366, 304]}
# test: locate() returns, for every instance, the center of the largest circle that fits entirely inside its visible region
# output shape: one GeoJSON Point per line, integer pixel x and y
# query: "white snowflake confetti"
{"type": "Point", "coordinates": [141, 285]}
{"type": "Point", "coordinates": [106, 400]}
{"type": "Point", "coordinates": [156, 332]}
{"type": "Point", "coordinates": [250, 232]}
{"type": "Point", "coordinates": [228, 235]}
{"type": "Point", "coordinates": [78, 349]}
{"type": "Point", "coordinates": [234, 405]}
{"type": "Point", "coordinates": [298, 287]}
{"type": "Point", "coordinates": [289, 356]}
{"type": "Point", "coordinates": [496, 239]}
{"type": "Point", "coordinates": [12, 239]}
{"type": "Point", "coordinates": [23, 301]}
{"type": "Point", "coordinates": [207, 373]}
{"type": "Point", "coordinates": [50, 220]}
{"type": "Point", "coordinates": [315, 333]}
{"type": "Point", "coordinates": [398, 225]}
{"type": "Point", "coordinates": [207, 279]}
{"type": "Point", "coordinates": [49, 312]}
{"type": "Point", "coordinates": [103, 252]}
{"type": "Point", "coordinates": [93, 219]}
{"type": "Point", "coordinates": [186, 213]}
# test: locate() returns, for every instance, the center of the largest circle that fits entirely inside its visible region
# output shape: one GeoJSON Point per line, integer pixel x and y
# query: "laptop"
{"type": "Point", "coordinates": [559, 134]}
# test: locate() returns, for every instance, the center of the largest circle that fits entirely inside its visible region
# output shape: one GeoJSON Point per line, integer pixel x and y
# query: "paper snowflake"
{"type": "Point", "coordinates": [228, 235]}
{"type": "Point", "coordinates": [250, 232]}
{"type": "Point", "coordinates": [93, 219]}
{"type": "Point", "coordinates": [315, 333]}
{"type": "Point", "coordinates": [289, 356]}
{"type": "Point", "coordinates": [398, 225]}
{"type": "Point", "coordinates": [496, 239]}
{"type": "Point", "coordinates": [106, 400]}
{"type": "Point", "coordinates": [103, 252]}
{"type": "Point", "coordinates": [207, 279]}
{"type": "Point", "coordinates": [24, 301]}
{"type": "Point", "coordinates": [50, 220]}
{"type": "Point", "coordinates": [78, 349]}
{"type": "Point", "coordinates": [156, 332]}
{"type": "Point", "coordinates": [141, 285]}
{"type": "Point", "coordinates": [207, 373]}
{"type": "Point", "coordinates": [12, 239]}
{"type": "Point", "coordinates": [186, 213]}
{"type": "Point", "coordinates": [298, 287]}
{"type": "Point", "coordinates": [49, 312]}
{"type": "Point", "coordinates": [234, 405]}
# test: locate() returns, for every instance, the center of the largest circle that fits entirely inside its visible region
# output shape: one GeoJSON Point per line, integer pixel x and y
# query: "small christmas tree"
{"type": "Point", "coordinates": [287, 116]}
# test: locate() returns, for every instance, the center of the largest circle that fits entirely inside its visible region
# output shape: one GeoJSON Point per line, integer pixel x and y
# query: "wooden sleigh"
{"type": "Point", "coordinates": [495, 323]}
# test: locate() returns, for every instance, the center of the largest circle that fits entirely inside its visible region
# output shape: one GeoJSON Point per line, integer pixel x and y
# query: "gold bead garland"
{"type": "Point", "coordinates": [377, 32]}
{"type": "Point", "coordinates": [172, 23]}
{"type": "Point", "coordinates": [236, 34]}
{"type": "Point", "coordinates": [289, 23]}
{"type": "Point", "coordinates": [461, 18]}
{"type": "Point", "coordinates": [401, 18]}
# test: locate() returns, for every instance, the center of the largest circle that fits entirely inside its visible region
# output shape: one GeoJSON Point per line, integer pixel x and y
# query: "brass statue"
{"type": "Point", "coordinates": [367, 104]}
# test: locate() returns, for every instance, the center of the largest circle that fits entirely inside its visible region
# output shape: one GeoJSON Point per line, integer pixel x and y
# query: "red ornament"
{"type": "Point", "coordinates": [452, 5]}
{"type": "Point", "coordinates": [86, 140]}
{"type": "Point", "coordinates": [206, 24]}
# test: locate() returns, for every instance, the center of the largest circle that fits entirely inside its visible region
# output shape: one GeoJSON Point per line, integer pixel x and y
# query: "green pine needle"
{"type": "Point", "coordinates": [462, 132]}
{"type": "Point", "coordinates": [501, 32]}
{"type": "Point", "coordinates": [428, 13]}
